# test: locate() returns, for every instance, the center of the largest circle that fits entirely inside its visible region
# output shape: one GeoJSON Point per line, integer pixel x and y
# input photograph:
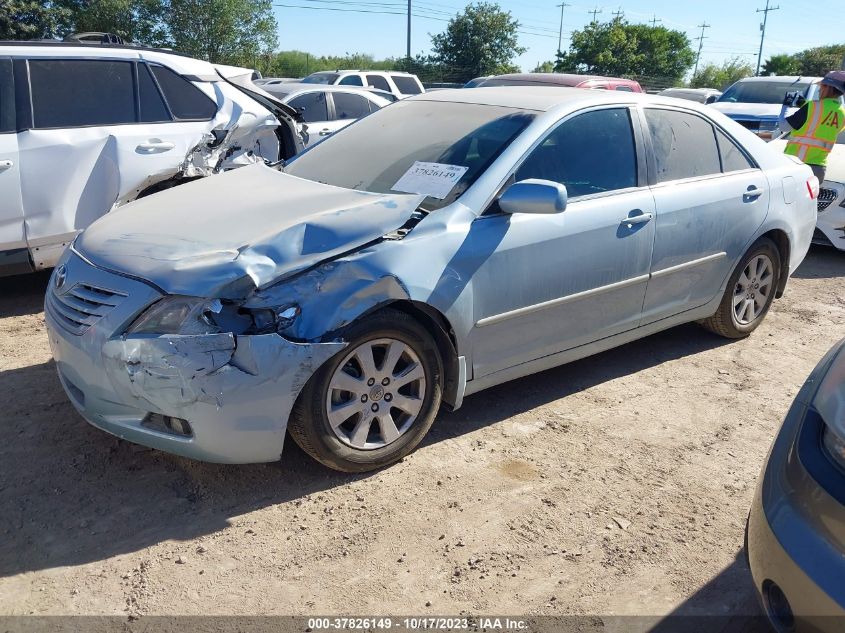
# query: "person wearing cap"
{"type": "Point", "coordinates": [816, 124]}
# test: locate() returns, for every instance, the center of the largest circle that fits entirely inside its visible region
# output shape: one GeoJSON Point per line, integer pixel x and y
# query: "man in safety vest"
{"type": "Point", "coordinates": [816, 124]}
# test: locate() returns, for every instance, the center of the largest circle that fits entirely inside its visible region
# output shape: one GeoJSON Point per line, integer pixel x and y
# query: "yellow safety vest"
{"type": "Point", "coordinates": [812, 142]}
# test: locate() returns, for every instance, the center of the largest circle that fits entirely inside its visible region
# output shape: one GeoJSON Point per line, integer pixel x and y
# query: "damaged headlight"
{"type": "Point", "coordinates": [178, 315]}
{"type": "Point", "coordinates": [194, 315]}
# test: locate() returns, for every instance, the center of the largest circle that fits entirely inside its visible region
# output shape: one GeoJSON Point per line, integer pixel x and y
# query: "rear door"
{"type": "Point", "coordinates": [13, 254]}
{"type": "Point", "coordinates": [101, 132]}
{"type": "Point", "coordinates": [710, 200]}
{"type": "Point", "coordinates": [348, 107]}
{"type": "Point", "coordinates": [315, 109]}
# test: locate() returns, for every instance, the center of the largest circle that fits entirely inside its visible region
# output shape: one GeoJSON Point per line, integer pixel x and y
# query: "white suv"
{"type": "Point", "coordinates": [400, 84]}
{"type": "Point", "coordinates": [88, 127]}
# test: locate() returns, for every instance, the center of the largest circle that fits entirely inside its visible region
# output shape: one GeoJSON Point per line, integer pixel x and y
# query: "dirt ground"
{"type": "Point", "coordinates": [619, 484]}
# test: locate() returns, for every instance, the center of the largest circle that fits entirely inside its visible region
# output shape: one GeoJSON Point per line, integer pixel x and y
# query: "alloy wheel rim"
{"type": "Point", "coordinates": [376, 394]}
{"type": "Point", "coordinates": [753, 289]}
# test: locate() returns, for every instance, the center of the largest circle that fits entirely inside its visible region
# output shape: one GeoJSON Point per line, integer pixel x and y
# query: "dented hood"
{"type": "Point", "coordinates": [225, 235]}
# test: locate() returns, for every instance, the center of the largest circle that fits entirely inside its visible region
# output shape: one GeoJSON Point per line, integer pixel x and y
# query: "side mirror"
{"type": "Point", "coordinates": [711, 99]}
{"type": "Point", "coordinates": [534, 196]}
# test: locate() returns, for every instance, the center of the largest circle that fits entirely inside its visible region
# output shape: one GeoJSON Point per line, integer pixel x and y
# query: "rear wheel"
{"type": "Point", "coordinates": [371, 404]}
{"type": "Point", "coordinates": [749, 293]}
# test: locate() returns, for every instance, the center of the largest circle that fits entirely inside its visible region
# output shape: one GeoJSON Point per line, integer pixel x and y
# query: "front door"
{"type": "Point", "coordinates": [710, 200]}
{"type": "Point", "coordinates": [547, 283]}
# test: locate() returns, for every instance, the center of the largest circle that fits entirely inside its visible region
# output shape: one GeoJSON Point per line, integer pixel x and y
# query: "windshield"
{"type": "Point", "coordinates": [379, 150]}
{"type": "Point", "coordinates": [762, 91]}
{"type": "Point", "coordinates": [321, 78]}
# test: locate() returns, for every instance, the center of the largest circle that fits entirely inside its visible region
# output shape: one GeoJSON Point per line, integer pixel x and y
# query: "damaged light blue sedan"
{"type": "Point", "coordinates": [445, 244]}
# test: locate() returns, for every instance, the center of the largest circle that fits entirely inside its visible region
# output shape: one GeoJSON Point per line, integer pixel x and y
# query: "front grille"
{"type": "Point", "coordinates": [826, 196]}
{"type": "Point", "coordinates": [82, 306]}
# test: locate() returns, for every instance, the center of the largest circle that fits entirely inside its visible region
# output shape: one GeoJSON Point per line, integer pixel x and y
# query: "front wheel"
{"type": "Point", "coordinates": [749, 293]}
{"type": "Point", "coordinates": [372, 403]}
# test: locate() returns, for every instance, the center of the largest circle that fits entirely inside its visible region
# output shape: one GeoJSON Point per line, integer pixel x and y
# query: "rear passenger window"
{"type": "Point", "coordinates": [348, 106]}
{"type": "Point", "coordinates": [312, 106]}
{"type": "Point", "coordinates": [406, 85]}
{"type": "Point", "coordinates": [624, 88]}
{"type": "Point", "coordinates": [684, 145]}
{"type": "Point", "coordinates": [732, 158]}
{"type": "Point", "coordinates": [7, 97]}
{"type": "Point", "coordinates": [351, 80]}
{"type": "Point", "coordinates": [76, 93]}
{"type": "Point", "coordinates": [153, 109]}
{"type": "Point", "coordinates": [377, 81]}
{"type": "Point", "coordinates": [186, 101]}
{"type": "Point", "coordinates": [593, 152]}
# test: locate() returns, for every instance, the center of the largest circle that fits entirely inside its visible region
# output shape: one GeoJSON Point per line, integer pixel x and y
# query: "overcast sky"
{"type": "Point", "coordinates": [734, 30]}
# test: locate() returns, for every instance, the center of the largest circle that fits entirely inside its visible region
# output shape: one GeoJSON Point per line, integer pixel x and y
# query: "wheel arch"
{"type": "Point", "coordinates": [781, 240]}
{"type": "Point", "coordinates": [436, 323]}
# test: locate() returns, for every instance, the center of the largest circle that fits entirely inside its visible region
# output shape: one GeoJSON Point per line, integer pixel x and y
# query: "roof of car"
{"type": "Point", "coordinates": [787, 79]}
{"type": "Point", "coordinates": [178, 62]}
{"type": "Point", "coordinates": [563, 79]}
{"type": "Point", "coordinates": [540, 97]}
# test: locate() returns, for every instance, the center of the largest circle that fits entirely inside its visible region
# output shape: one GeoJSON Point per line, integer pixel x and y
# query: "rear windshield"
{"type": "Point", "coordinates": [370, 156]}
{"type": "Point", "coordinates": [321, 78]}
{"type": "Point", "coordinates": [762, 91]}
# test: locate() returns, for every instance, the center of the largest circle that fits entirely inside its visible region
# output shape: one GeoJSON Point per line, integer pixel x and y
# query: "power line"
{"type": "Point", "coordinates": [560, 31]}
{"type": "Point", "coordinates": [701, 39]}
{"type": "Point", "coordinates": [765, 13]}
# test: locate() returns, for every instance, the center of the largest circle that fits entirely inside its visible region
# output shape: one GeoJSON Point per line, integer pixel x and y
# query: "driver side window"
{"type": "Point", "coordinates": [590, 153]}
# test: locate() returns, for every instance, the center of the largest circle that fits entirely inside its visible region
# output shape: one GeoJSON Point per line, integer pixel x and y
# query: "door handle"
{"type": "Point", "coordinates": [325, 132]}
{"type": "Point", "coordinates": [155, 145]}
{"type": "Point", "coordinates": [5, 164]}
{"type": "Point", "coordinates": [642, 218]}
{"type": "Point", "coordinates": [751, 194]}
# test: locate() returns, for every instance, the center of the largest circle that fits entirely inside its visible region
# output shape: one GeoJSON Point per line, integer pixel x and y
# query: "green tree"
{"type": "Point", "coordinates": [781, 65]}
{"type": "Point", "coordinates": [222, 31]}
{"type": "Point", "coordinates": [544, 67]}
{"type": "Point", "coordinates": [141, 21]}
{"type": "Point", "coordinates": [618, 48]}
{"type": "Point", "coordinates": [482, 40]}
{"type": "Point", "coordinates": [28, 19]}
{"type": "Point", "coordinates": [721, 76]}
{"type": "Point", "coordinates": [816, 62]}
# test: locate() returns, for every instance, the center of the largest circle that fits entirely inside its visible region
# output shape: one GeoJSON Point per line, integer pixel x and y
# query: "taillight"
{"type": "Point", "coordinates": [813, 187]}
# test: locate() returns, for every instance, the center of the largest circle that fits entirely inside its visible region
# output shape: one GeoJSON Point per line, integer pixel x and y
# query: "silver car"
{"type": "Point", "coordinates": [379, 275]}
{"type": "Point", "coordinates": [796, 529]}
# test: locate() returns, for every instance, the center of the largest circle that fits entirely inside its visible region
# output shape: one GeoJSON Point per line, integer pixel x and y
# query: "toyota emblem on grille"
{"type": "Point", "coordinates": [61, 275]}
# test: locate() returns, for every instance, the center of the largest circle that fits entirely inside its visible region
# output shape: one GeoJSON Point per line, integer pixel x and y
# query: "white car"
{"type": "Point", "coordinates": [400, 84]}
{"type": "Point", "coordinates": [755, 102]}
{"type": "Point", "coordinates": [85, 128]}
{"type": "Point", "coordinates": [830, 226]}
{"type": "Point", "coordinates": [326, 109]}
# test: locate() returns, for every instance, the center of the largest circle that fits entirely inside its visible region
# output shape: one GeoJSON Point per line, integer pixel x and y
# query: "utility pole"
{"type": "Point", "coordinates": [409, 38]}
{"type": "Point", "coordinates": [560, 31]}
{"type": "Point", "coordinates": [654, 21]}
{"type": "Point", "coordinates": [618, 13]}
{"type": "Point", "coordinates": [765, 13]}
{"type": "Point", "coordinates": [701, 39]}
{"type": "Point", "coordinates": [595, 12]}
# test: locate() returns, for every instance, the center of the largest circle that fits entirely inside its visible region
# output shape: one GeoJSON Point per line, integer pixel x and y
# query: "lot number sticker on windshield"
{"type": "Point", "coordinates": [432, 179]}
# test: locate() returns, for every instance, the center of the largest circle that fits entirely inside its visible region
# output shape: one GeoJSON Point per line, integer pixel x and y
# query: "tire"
{"type": "Point", "coordinates": [365, 440]}
{"type": "Point", "coordinates": [747, 297]}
